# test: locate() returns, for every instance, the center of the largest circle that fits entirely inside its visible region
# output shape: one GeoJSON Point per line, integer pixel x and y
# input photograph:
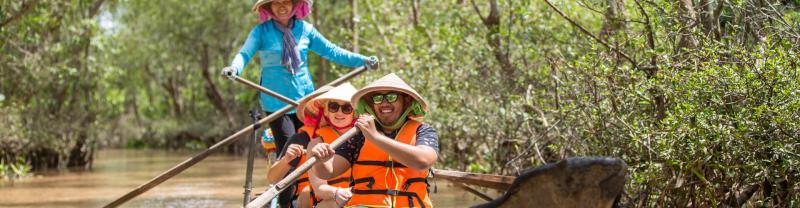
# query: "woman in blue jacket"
{"type": "Point", "coordinates": [283, 40]}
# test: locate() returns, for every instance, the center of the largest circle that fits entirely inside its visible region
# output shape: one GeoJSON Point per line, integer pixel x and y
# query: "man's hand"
{"type": "Point", "coordinates": [229, 72]}
{"type": "Point", "coordinates": [366, 123]}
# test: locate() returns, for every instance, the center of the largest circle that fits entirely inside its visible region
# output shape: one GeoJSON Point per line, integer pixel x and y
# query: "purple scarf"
{"type": "Point", "coordinates": [290, 58]}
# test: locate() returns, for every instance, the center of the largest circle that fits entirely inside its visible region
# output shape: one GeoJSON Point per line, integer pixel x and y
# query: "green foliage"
{"type": "Point", "coordinates": [729, 110]}
{"type": "Point", "coordinates": [14, 169]}
{"type": "Point", "coordinates": [702, 114]}
{"type": "Point", "coordinates": [50, 80]}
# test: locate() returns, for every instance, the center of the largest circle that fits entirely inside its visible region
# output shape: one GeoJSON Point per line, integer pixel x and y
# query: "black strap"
{"type": "Point", "coordinates": [410, 195]}
{"type": "Point", "coordinates": [370, 181]}
{"type": "Point", "coordinates": [414, 180]}
{"type": "Point", "coordinates": [255, 115]}
{"type": "Point", "coordinates": [331, 182]}
{"type": "Point", "coordinates": [302, 180]}
{"type": "Point", "coordinates": [314, 198]}
{"type": "Point", "coordinates": [297, 187]}
{"type": "Point", "coordinates": [381, 163]}
{"type": "Point", "coordinates": [338, 180]}
{"type": "Point", "coordinates": [433, 177]}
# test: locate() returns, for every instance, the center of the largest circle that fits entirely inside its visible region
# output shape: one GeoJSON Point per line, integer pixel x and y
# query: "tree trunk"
{"type": "Point", "coordinates": [709, 14]}
{"type": "Point", "coordinates": [614, 18]}
{"type": "Point", "coordinates": [415, 12]}
{"type": "Point", "coordinates": [321, 72]}
{"type": "Point", "coordinates": [651, 70]}
{"type": "Point", "coordinates": [212, 93]}
{"type": "Point", "coordinates": [355, 19]}
{"type": "Point", "coordinates": [174, 95]}
{"type": "Point", "coordinates": [688, 20]}
{"type": "Point", "coordinates": [493, 37]}
{"type": "Point", "coordinates": [171, 87]}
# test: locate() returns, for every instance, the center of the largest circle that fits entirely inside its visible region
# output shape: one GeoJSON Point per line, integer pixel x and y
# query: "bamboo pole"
{"type": "Point", "coordinates": [230, 139]}
{"type": "Point", "coordinates": [287, 181]}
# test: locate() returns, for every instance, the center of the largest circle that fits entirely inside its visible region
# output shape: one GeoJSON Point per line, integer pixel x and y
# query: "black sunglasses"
{"type": "Point", "coordinates": [346, 108]}
{"type": "Point", "coordinates": [389, 97]}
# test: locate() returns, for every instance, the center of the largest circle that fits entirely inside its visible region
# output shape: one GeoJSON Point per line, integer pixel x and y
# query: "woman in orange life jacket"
{"type": "Point", "coordinates": [338, 114]}
{"type": "Point", "coordinates": [390, 160]}
{"type": "Point", "coordinates": [324, 117]}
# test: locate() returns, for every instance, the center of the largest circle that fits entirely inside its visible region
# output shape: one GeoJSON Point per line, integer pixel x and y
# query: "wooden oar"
{"type": "Point", "coordinates": [460, 179]}
{"type": "Point", "coordinates": [265, 90]}
{"type": "Point", "coordinates": [287, 181]}
{"type": "Point", "coordinates": [230, 139]}
{"type": "Point", "coordinates": [498, 182]}
{"type": "Point", "coordinates": [195, 159]}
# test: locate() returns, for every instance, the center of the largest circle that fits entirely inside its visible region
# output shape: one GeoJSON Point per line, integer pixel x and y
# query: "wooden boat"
{"type": "Point", "coordinates": [573, 182]}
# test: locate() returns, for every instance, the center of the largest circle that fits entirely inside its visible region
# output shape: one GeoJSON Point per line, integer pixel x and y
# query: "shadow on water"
{"type": "Point", "coordinates": [215, 182]}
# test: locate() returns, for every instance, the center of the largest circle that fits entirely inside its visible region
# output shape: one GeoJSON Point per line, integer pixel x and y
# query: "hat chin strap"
{"type": "Point", "coordinates": [396, 125]}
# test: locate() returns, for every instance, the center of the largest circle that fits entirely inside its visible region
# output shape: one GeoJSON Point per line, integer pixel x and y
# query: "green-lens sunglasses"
{"type": "Point", "coordinates": [389, 97]}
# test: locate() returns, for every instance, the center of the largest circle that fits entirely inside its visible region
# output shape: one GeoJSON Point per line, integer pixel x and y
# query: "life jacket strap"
{"type": "Point", "coordinates": [381, 163]}
{"type": "Point", "coordinates": [411, 195]}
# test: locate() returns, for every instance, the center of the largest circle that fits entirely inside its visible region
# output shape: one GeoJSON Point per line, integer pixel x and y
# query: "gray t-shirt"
{"type": "Point", "coordinates": [426, 136]}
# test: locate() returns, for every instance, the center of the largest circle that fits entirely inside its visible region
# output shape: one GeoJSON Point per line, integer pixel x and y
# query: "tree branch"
{"type": "Point", "coordinates": [582, 29]}
{"type": "Point", "coordinates": [477, 10]}
{"type": "Point", "coordinates": [26, 7]}
{"type": "Point", "coordinates": [651, 43]}
{"type": "Point", "coordinates": [95, 8]}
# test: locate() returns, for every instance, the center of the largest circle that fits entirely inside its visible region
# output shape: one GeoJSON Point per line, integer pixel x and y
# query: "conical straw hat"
{"type": "Point", "coordinates": [390, 82]}
{"type": "Point", "coordinates": [301, 105]}
{"type": "Point", "coordinates": [260, 3]}
{"type": "Point", "coordinates": [341, 93]}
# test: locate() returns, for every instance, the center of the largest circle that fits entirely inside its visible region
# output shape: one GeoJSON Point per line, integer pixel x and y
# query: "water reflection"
{"type": "Point", "coordinates": [215, 182]}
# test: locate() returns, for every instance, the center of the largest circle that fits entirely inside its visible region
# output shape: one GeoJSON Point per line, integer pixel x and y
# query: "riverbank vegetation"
{"type": "Point", "coordinates": [699, 97]}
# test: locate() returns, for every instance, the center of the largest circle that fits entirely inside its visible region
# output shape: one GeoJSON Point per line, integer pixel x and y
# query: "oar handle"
{"type": "Point", "coordinates": [289, 179]}
{"type": "Point", "coordinates": [265, 90]}
{"type": "Point", "coordinates": [284, 99]}
{"type": "Point", "coordinates": [347, 76]}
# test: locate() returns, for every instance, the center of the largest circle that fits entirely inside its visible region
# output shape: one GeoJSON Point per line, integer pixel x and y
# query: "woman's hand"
{"type": "Point", "coordinates": [294, 151]}
{"type": "Point", "coordinates": [341, 196]}
{"type": "Point", "coordinates": [229, 72]}
{"type": "Point", "coordinates": [372, 62]}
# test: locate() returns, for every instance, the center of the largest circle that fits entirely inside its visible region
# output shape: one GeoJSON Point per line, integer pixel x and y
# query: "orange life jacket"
{"type": "Point", "coordinates": [329, 135]}
{"type": "Point", "coordinates": [381, 182]}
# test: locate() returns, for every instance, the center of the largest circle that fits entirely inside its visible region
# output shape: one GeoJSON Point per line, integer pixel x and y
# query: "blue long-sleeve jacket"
{"type": "Point", "coordinates": [267, 40]}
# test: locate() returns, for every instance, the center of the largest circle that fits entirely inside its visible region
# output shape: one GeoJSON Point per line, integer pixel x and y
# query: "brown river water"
{"type": "Point", "coordinates": [216, 181]}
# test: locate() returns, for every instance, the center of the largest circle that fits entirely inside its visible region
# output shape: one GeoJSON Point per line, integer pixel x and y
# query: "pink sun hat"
{"type": "Point", "coordinates": [301, 9]}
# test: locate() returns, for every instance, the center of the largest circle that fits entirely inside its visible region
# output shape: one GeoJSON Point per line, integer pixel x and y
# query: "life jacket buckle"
{"type": "Point", "coordinates": [392, 192]}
